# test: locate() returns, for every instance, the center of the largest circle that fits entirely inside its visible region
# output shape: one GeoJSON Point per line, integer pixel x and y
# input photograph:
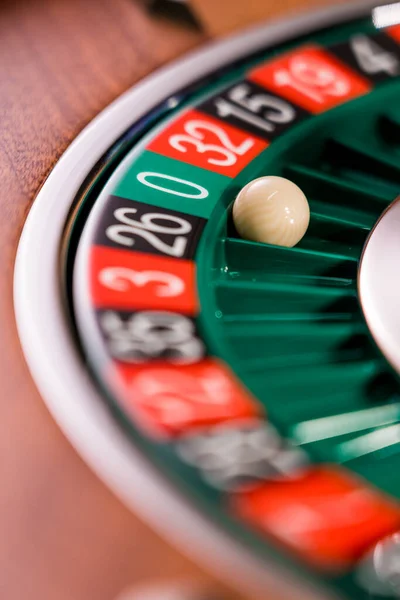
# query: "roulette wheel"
{"type": "Point", "coordinates": [241, 396]}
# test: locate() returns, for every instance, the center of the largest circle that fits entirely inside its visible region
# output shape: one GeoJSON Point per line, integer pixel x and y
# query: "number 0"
{"type": "Point", "coordinates": [143, 178]}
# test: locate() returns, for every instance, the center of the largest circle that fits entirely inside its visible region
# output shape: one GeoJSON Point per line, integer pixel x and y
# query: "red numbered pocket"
{"type": "Point", "coordinates": [170, 399]}
{"type": "Point", "coordinates": [327, 516]}
{"type": "Point", "coordinates": [205, 142]}
{"type": "Point", "coordinates": [311, 78]}
{"type": "Point", "coordinates": [394, 32]}
{"type": "Point", "coordinates": [123, 279]}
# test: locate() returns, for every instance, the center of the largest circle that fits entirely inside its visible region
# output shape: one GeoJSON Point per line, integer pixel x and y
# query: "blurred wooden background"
{"type": "Point", "coordinates": [224, 16]}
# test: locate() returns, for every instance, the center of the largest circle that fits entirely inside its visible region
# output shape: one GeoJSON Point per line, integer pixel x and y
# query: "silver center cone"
{"type": "Point", "coordinates": [379, 283]}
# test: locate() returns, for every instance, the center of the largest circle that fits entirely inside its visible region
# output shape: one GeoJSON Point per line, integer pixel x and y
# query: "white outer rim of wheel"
{"type": "Point", "coordinates": [52, 356]}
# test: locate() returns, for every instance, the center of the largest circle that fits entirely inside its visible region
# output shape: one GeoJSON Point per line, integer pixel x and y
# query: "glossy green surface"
{"type": "Point", "coordinates": [167, 173]}
{"type": "Point", "coordinates": [288, 320]}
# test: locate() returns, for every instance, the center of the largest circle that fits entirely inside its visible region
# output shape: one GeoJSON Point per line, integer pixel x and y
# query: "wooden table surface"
{"type": "Point", "coordinates": [63, 535]}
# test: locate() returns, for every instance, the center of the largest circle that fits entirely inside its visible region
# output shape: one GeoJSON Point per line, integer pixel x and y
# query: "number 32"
{"type": "Point", "coordinates": [196, 132]}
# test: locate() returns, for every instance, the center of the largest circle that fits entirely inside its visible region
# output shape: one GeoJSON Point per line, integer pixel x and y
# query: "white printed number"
{"type": "Point", "coordinates": [233, 457]}
{"type": "Point", "coordinates": [177, 397]}
{"type": "Point", "coordinates": [121, 279]}
{"type": "Point", "coordinates": [196, 132]}
{"type": "Point", "coordinates": [313, 79]}
{"type": "Point", "coordinates": [125, 231]}
{"type": "Point", "coordinates": [148, 177]}
{"type": "Point", "coordinates": [262, 111]}
{"type": "Point", "coordinates": [372, 58]}
{"type": "Point", "coordinates": [151, 335]}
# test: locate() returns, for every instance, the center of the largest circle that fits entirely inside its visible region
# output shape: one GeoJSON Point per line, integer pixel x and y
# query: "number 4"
{"type": "Point", "coordinates": [372, 58]}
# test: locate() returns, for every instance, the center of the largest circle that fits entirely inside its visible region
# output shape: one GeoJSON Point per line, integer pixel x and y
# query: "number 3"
{"type": "Point", "coordinates": [119, 278]}
{"type": "Point", "coordinates": [197, 130]}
